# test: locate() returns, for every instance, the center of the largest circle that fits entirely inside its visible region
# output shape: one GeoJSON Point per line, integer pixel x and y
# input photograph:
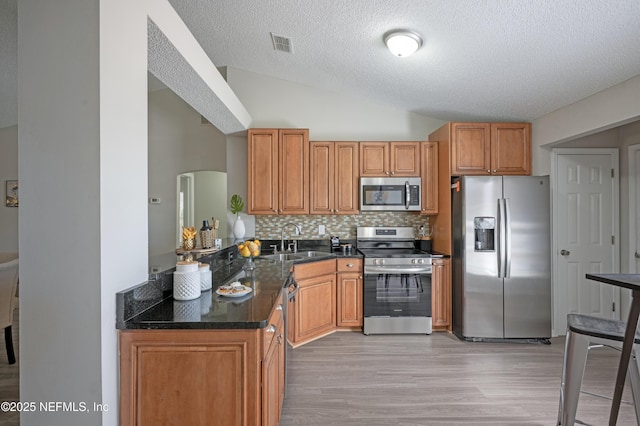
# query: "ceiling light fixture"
{"type": "Point", "coordinates": [402, 43]}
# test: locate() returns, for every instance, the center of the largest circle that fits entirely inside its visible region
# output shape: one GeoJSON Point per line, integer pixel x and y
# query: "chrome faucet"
{"type": "Point", "coordinates": [298, 232]}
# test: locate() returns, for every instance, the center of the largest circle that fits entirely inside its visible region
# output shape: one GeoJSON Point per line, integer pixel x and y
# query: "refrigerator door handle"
{"type": "Point", "coordinates": [502, 261]}
{"type": "Point", "coordinates": [507, 243]}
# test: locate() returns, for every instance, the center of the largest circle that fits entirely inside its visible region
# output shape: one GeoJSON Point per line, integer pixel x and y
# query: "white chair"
{"type": "Point", "coordinates": [8, 303]}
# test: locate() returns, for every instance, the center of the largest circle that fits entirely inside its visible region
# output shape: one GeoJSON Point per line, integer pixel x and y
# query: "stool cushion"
{"type": "Point", "coordinates": [598, 327]}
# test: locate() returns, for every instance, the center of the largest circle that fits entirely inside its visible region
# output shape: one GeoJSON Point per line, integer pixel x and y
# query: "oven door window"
{"type": "Point", "coordinates": [397, 295]}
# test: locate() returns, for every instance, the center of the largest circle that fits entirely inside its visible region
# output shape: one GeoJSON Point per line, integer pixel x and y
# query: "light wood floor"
{"type": "Point", "coordinates": [349, 379]}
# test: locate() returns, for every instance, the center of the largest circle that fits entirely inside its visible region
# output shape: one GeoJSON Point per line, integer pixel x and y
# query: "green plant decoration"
{"type": "Point", "coordinates": [236, 204]}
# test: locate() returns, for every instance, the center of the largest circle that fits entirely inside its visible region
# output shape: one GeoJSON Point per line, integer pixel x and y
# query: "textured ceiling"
{"type": "Point", "coordinates": [481, 59]}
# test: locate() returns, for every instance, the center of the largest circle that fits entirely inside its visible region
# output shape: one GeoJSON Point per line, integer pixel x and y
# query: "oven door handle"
{"type": "Point", "coordinates": [396, 270]}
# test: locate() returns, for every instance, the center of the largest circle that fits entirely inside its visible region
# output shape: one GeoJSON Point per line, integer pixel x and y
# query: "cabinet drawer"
{"type": "Point", "coordinates": [274, 328]}
{"type": "Point", "coordinates": [314, 269]}
{"type": "Point", "coordinates": [349, 265]}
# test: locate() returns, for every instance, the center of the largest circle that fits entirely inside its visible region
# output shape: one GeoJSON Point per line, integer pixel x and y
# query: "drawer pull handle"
{"type": "Point", "coordinates": [271, 329]}
{"type": "Point", "coordinates": [349, 265]}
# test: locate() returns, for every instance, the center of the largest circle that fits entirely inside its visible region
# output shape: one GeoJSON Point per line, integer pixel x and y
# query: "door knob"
{"type": "Point", "coordinates": [637, 255]}
{"type": "Point", "coordinates": [565, 252]}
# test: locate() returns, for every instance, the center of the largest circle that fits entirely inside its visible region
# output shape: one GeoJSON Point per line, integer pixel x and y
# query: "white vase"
{"type": "Point", "coordinates": [238, 228]}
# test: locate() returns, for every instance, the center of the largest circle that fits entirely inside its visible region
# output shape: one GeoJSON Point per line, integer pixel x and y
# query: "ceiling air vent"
{"type": "Point", "coordinates": [281, 43]}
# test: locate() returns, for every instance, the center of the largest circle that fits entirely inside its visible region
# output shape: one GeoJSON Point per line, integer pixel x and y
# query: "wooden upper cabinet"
{"type": "Point", "coordinates": [490, 148]}
{"type": "Point", "coordinates": [278, 171]}
{"type": "Point", "coordinates": [400, 159]}
{"type": "Point", "coordinates": [334, 177]}
{"type": "Point", "coordinates": [294, 171]}
{"type": "Point", "coordinates": [511, 148]}
{"type": "Point", "coordinates": [470, 148]}
{"type": "Point", "coordinates": [429, 163]}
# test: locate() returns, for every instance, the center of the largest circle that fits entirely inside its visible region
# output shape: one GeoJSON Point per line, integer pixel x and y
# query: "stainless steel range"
{"type": "Point", "coordinates": [397, 281]}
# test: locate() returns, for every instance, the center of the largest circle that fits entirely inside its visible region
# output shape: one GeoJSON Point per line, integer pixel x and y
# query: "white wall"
{"type": "Point", "coordinates": [60, 225]}
{"type": "Point", "coordinates": [8, 171]}
{"type": "Point", "coordinates": [613, 107]}
{"type": "Point", "coordinates": [272, 102]}
{"type": "Point", "coordinates": [178, 143]}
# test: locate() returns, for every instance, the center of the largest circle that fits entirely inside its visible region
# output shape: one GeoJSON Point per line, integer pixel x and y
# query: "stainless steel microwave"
{"type": "Point", "coordinates": [390, 194]}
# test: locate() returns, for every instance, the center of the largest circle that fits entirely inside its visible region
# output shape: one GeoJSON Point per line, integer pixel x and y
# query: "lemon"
{"type": "Point", "coordinates": [240, 246]}
{"type": "Point", "coordinates": [245, 252]}
{"type": "Point", "coordinates": [255, 253]}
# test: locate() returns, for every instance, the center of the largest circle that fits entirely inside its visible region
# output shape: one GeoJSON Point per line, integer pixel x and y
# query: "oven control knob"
{"type": "Point", "coordinates": [382, 261]}
{"type": "Point", "coordinates": [421, 261]}
{"type": "Point", "coordinates": [413, 261]}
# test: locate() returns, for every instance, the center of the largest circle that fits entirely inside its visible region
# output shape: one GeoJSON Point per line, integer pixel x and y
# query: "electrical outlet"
{"type": "Point", "coordinates": [321, 230]}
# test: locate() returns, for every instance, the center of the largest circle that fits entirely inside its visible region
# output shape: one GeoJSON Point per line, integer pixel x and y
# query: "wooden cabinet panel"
{"type": "Point", "coordinates": [429, 162]}
{"type": "Point", "coordinates": [189, 377]}
{"type": "Point", "coordinates": [334, 177]}
{"type": "Point", "coordinates": [315, 307]}
{"type": "Point", "coordinates": [263, 171]}
{"type": "Point", "coordinates": [404, 159]}
{"type": "Point", "coordinates": [470, 149]}
{"type": "Point", "coordinates": [350, 313]}
{"type": "Point", "coordinates": [278, 171]}
{"type": "Point", "coordinates": [294, 171]}
{"type": "Point", "coordinates": [441, 294]}
{"type": "Point", "coordinates": [374, 158]}
{"type": "Point", "coordinates": [273, 369]}
{"type": "Point", "coordinates": [390, 159]}
{"type": "Point", "coordinates": [349, 292]}
{"type": "Point", "coordinates": [346, 174]}
{"type": "Point", "coordinates": [511, 148]}
{"type": "Point", "coordinates": [321, 177]}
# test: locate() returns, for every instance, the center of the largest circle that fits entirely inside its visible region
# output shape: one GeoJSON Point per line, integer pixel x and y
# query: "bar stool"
{"type": "Point", "coordinates": [583, 330]}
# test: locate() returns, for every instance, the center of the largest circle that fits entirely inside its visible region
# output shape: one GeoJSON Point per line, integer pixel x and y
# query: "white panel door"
{"type": "Point", "coordinates": [634, 208]}
{"type": "Point", "coordinates": [585, 232]}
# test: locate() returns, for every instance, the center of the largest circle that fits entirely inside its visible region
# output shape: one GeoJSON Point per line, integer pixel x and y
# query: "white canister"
{"type": "Point", "coordinates": [186, 266]}
{"type": "Point", "coordinates": [186, 285]}
{"type": "Point", "coordinates": [205, 276]}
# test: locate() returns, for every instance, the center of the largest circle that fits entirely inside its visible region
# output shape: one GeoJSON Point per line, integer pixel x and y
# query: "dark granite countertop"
{"type": "Point", "coordinates": [211, 311]}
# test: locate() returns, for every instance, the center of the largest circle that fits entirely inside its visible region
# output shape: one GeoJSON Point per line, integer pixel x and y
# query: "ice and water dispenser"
{"type": "Point", "coordinates": [484, 233]}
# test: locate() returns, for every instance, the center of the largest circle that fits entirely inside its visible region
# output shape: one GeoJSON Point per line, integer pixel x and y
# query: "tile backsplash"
{"type": "Point", "coordinates": [343, 226]}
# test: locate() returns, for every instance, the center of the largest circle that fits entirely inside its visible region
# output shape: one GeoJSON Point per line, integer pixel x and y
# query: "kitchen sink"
{"type": "Point", "coordinates": [284, 257]}
{"type": "Point", "coordinates": [304, 254]}
{"type": "Point", "coordinates": [281, 257]}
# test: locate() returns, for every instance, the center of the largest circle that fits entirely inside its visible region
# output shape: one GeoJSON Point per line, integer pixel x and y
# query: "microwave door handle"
{"type": "Point", "coordinates": [407, 195]}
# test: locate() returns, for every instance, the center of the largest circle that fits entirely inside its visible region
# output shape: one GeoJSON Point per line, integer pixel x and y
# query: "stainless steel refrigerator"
{"type": "Point", "coordinates": [501, 258]}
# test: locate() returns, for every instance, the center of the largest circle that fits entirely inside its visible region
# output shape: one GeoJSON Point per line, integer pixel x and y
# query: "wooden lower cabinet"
{"type": "Point", "coordinates": [441, 294]}
{"type": "Point", "coordinates": [202, 377]}
{"type": "Point", "coordinates": [350, 296]}
{"type": "Point", "coordinates": [273, 372]}
{"type": "Point", "coordinates": [329, 298]}
{"type": "Point", "coordinates": [312, 313]}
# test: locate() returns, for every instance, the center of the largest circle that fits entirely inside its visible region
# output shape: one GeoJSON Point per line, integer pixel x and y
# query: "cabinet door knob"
{"type": "Point", "coordinates": [489, 171]}
{"type": "Point", "coordinates": [393, 173]}
{"type": "Point", "coordinates": [271, 329]}
{"type": "Point", "coordinates": [349, 265]}
{"type": "Point", "coordinates": [335, 211]}
{"type": "Point", "coordinates": [495, 171]}
{"type": "Point", "coordinates": [279, 337]}
{"type": "Point", "coordinates": [279, 308]}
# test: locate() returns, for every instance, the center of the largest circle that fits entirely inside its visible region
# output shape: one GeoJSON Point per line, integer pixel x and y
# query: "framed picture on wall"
{"type": "Point", "coordinates": [11, 193]}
